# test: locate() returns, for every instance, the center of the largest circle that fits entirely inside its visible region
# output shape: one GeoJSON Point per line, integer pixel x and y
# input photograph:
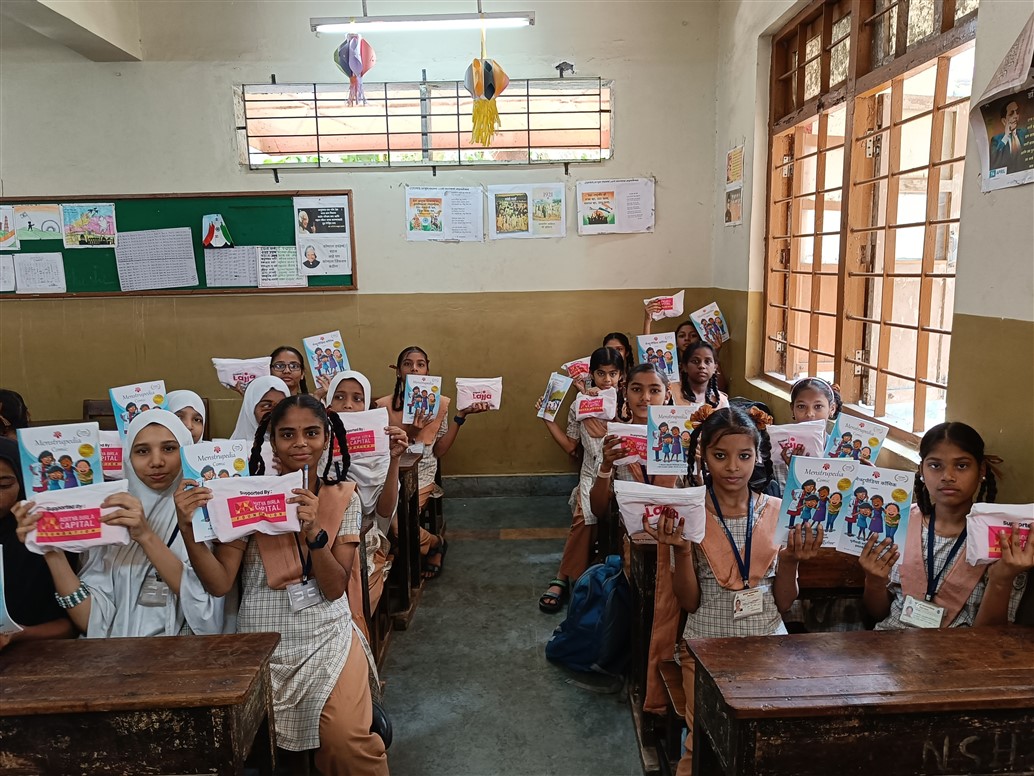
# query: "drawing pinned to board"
{"type": "Point", "coordinates": [615, 206]}
{"type": "Point", "coordinates": [537, 210]}
{"type": "Point", "coordinates": [322, 236]}
{"type": "Point", "coordinates": [38, 222]}
{"type": "Point", "coordinates": [214, 232]}
{"type": "Point", "coordinates": [8, 230]}
{"type": "Point", "coordinates": [91, 225]}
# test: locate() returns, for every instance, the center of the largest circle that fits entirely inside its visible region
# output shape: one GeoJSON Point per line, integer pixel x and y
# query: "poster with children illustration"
{"type": "Point", "coordinates": [326, 355]}
{"type": "Point", "coordinates": [878, 504]}
{"type": "Point", "coordinates": [710, 324]}
{"type": "Point", "coordinates": [659, 350]}
{"type": "Point", "coordinates": [860, 440]}
{"type": "Point", "coordinates": [817, 493]}
{"type": "Point", "coordinates": [207, 461]}
{"type": "Point", "coordinates": [60, 457]}
{"type": "Point", "coordinates": [423, 393]}
{"type": "Point", "coordinates": [91, 225]}
{"type": "Point", "coordinates": [128, 401]}
{"type": "Point", "coordinates": [668, 432]}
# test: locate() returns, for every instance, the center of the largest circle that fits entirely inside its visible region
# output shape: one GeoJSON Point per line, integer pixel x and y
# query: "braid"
{"type": "Point", "coordinates": [396, 396]}
{"type": "Point", "coordinates": [256, 465]}
{"type": "Point", "coordinates": [303, 386]}
{"type": "Point", "coordinates": [922, 495]}
{"type": "Point", "coordinates": [989, 488]}
{"type": "Point", "coordinates": [765, 449]}
{"type": "Point", "coordinates": [694, 445]}
{"type": "Point", "coordinates": [336, 430]}
{"type": "Point", "coordinates": [712, 391]}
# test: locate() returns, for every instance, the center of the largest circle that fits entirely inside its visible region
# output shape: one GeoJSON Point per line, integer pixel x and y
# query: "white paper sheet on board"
{"type": "Point", "coordinates": [615, 206]}
{"type": "Point", "coordinates": [278, 267]}
{"type": "Point", "coordinates": [526, 211]}
{"type": "Point", "coordinates": [156, 258]}
{"type": "Point", "coordinates": [6, 272]}
{"type": "Point", "coordinates": [445, 214]}
{"type": "Point", "coordinates": [322, 235]}
{"type": "Point", "coordinates": [39, 273]}
{"type": "Point", "coordinates": [227, 267]}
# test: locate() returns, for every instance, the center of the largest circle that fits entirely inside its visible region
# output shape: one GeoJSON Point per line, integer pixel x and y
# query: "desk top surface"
{"type": "Point", "coordinates": [86, 675]}
{"type": "Point", "coordinates": [409, 461]}
{"type": "Point", "coordinates": [884, 672]}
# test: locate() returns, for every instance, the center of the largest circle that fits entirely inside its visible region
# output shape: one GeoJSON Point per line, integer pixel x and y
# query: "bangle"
{"type": "Point", "coordinates": [68, 601]}
{"type": "Point", "coordinates": [603, 476]}
{"type": "Point", "coordinates": [459, 420]}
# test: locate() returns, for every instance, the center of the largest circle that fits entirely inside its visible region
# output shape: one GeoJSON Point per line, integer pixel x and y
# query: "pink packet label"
{"type": "Point", "coordinates": [69, 526]}
{"type": "Point", "coordinates": [363, 441]}
{"type": "Point", "coordinates": [248, 510]}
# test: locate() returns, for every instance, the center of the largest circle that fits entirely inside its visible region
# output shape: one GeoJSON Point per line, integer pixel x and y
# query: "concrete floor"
{"type": "Point", "coordinates": [469, 690]}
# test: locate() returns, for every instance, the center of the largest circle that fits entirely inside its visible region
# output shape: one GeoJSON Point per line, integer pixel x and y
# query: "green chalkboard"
{"type": "Point", "coordinates": [259, 218]}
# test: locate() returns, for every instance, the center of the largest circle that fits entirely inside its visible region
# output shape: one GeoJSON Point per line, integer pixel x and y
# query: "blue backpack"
{"type": "Point", "coordinates": [594, 637]}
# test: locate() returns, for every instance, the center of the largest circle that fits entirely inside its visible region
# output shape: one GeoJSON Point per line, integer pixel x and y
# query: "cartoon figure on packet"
{"type": "Point", "coordinates": [66, 463]}
{"type": "Point", "coordinates": [55, 478]}
{"type": "Point", "coordinates": [46, 460]}
{"type": "Point", "coordinates": [836, 501]}
{"type": "Point", "coordinates": [876, 521]}
{"type": "Point", "coordinates": [864, 513]}
{"type": "Point", "coordinates": [807, 488]}
{"type": "Point", "coordinates": [84, 472]}
{"type": "Point", "coordinates": [658, 446]}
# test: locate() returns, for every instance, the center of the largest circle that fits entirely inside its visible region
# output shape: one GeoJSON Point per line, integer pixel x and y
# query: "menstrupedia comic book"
{"type": "Point", "coordinates": [668, 431]}
{"type": "Point", "coordinates": [128, 401]}
{"type": "Point", "coordinates": [60, 457]}
{"type": "Point", "coordinates": [880, 500]}
{"type": "Point", "coordinates": [240, 507]}
{"type": "Point", "coordinates": [70, 520]}
{"type": "Point", "coordinates": [326, 355]}
{"type": "Point", "coordinates": [207, 461]}
{"type": "Point", "coordinates": [985, 524]}
{"type": "Point", "coordinates": [855, 438]}
{"type": "Point", "coordinates": [423, 393]}
{"type": "Point", "coordinates": [818, 492]}
{"type": "Point", "coordinates": [553, 396]}
{"type": "Point", "coordinates": [710, 324]}
{"type": "Point", "coordinates": [659, 350]}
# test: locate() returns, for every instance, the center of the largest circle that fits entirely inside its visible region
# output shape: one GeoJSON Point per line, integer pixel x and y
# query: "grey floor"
{"type": "Point", "coordinates": [469, 690]}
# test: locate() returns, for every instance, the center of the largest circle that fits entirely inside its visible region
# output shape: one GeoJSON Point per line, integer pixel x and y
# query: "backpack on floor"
{"type": "Point", "coordinates": [594, 637]}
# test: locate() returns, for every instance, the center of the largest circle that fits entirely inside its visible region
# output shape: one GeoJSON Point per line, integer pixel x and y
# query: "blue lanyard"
{"type": "Point", "coordinates": [742, 561]}
{"type": "Point", "coordinates": [933, 579]}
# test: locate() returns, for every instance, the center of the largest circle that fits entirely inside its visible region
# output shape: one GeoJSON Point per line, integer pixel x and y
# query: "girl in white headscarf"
{"type": "Point", "coordinates": [262, 395]}
{"type": "Point", "coordinates": [377, 483]}
{"type": "Point", "coordinates": [147, 587]}
{"type": "Point", "coordinates": [190, 408]}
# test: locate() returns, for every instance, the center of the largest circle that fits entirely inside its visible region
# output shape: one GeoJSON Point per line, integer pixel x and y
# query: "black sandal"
{"type": "Point", "coordinates": [551, 602]}
{"type": "Point", "coordinates": [434, 570]}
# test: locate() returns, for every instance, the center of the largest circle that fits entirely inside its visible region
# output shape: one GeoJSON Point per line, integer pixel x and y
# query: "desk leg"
{"type": "Point", "coordinates": [267, 754]}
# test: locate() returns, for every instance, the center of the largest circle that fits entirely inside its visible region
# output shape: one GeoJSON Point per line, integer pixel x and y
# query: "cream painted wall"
{"type": "Point", "coordinates": [116, 21]}
{"type": "Point", "coordinates": [166, 125]}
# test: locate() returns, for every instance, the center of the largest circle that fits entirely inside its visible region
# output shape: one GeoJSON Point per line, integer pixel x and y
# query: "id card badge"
{"type": "Point", "coordinates": [416, 448]}
{"type": "Point", "coordinates": [154, 592]}
{"type": "Point", "coordinates": [921, 614]}
{"type": "Point", "coordinates": [302, 595]}
{"type": "Point", "coordinates": [747, 603]}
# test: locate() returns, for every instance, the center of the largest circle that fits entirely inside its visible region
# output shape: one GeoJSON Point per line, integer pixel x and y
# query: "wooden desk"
{"type": "Point", "coordinates": [899, 703]}
{"type": "Point", "coordinates": [642, 577]}
{"type": "Point", "coordinates": [404, 580]}
{"type": "Point", "coordinates": [184, 705]}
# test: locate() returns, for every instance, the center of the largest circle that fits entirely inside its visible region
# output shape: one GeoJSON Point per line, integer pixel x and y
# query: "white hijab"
{"type": "Point", "coordinates": [247, 426]}
{"type": "Point", "coordinates": [115, 574]}
{"type": "Point", "coordinates": [368, 473]}
{"type": "Point", "coordinates": [178, 400]}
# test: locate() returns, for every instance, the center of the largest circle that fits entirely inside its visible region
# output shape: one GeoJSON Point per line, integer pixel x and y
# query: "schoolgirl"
{"type": "Point", "coordinates": [686, 334]}
{"type": "Point", "coordinates": [28, 587]}
{"type": "Point", "coordinates": [321, 692]}
{"type": "Point", "coordinates": [188, 407]}
{"type": "Point", "coordinates": [430, 437]}
{"type": "Point", "coordinates": [619, 342]}
{"type": "Point", "coordinates": [147, 587]}
{"type": "Point", "coordinates": [377, 484]}
{"type": "Point", "coordinates": [606, 370]}
{"type": "Point", "coordinates": [736, 582]}
{"type": "Point", "coordinates": [698, 379]}
{"type": "Point", "coordinates": [288, 364]}
{"type": "Point", "coordinates": [934, 586]}
{"type": "Point", "coordinates": [811, 398]}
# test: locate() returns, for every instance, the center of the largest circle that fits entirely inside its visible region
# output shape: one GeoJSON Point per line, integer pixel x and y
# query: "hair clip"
{"type": "Point", "coordinates": [702, 414]}
{"type": "Point", "coordinates": [761, 418]}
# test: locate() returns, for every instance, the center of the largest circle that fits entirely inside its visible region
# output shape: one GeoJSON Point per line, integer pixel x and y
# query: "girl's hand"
{"type": "Point", "coordinates": [129, 514]}
{"type": "Point", "coordinates": [240, 388]}
{"type": "Point", "coordinates": [188, 499]}
{"type": "Point", "coordinates": [398, 441]}
{"type": "Point", "coordinates": [307, 503]}
{"type": "Point", "coordinates": [789, 452]}
{"type": "Point", "coordinates": [877, 560]}
{"type": "Point", "coordinates": [802, 543]}
{"type": "Point", "coordinates": [1015, 559]}
{"type": "Point", "coordinates": [653, 307]}
{"type": "Point", "coordinates": [613, 450]}
{"type": "Point", "coordinates": [421, 420]}
{"type": "Point", "coordinates": [322, 386]}
{"type": "Point", "coordinates": [669, 528]}
{"type": "Point", "coordinates": [538, 404]}
{"type": "Point", "coordinates": [22, 512]}
{"type": "Point", "coordinates": [475, 408]}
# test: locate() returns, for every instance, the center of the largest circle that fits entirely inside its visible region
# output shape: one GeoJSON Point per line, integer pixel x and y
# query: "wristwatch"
{"type": "Point", "coordinates": [319, 542]}
{"type": "Point", "coordinates": [459, 420]}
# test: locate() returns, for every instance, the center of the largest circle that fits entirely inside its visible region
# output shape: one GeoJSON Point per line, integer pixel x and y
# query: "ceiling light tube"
{"type": "Point", "coordinates": [423, 22]}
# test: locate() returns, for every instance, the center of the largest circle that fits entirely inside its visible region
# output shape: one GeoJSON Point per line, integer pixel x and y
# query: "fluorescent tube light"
{"type": "Point", "coordinates": [423, 22]}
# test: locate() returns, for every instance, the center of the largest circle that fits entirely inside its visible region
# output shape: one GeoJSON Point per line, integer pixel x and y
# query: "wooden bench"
{"type": "Point", "coordinates": [378, 621]}
{"type": "Point", "coordinates": [186, 705]}
{"type": "Point", "coordinates": [101, 411]}
{"type": "Point", "coordinates": [895, 703]}
{"type": "Point", "coordinates": [669, 751]}
{"type": "Point", "coordinates": [642, 577]}
{"type": "Point", "coordinates": [403, 586]}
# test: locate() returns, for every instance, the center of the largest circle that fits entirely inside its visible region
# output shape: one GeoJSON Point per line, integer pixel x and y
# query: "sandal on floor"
{"type": "Point", "coordinates": [551, 602]}
{"type": "Point", "coordinates": [434, 570]}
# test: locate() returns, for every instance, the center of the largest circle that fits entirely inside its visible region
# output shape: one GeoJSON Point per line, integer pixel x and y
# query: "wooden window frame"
{"type": "Point", "coordinates": [788, 110]}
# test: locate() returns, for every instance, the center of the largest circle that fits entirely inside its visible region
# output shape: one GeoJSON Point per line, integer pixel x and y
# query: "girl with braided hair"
{"type": "Point", "coordinates": [737, 581]}
{"type": "Point", "coordinates": [954, 473]}
{"type": "Point", "coordinates": [295, 584]}
{"type": "Point", "coordinates": [698, 375]}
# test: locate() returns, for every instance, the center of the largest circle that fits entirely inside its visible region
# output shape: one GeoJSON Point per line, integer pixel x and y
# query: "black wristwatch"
{"type": "Point", "coordinates": [319, 542]}
{"type": "Point", "coordinates": [459, 420]}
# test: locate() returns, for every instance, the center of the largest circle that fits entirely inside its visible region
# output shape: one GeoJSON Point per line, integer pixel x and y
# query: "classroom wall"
{"type": "Point", "coordinates": [514, 308]}
{"type": "Point", "coordinates": [991, 384]}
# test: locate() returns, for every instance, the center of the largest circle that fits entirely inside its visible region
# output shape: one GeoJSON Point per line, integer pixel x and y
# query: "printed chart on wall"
{"type": "Point", "coordinates": [615, 207]}
{"type": "Point", "coordinates": [523, 211]}
{"type": "Point", "coordinates": [1002, 120]}
{"type": "Point", "coordinates": [454, 214]}
{"type": "Point", "coordinates": [322, 236]}
{"type": "Point", "coordinates": [734, 186]}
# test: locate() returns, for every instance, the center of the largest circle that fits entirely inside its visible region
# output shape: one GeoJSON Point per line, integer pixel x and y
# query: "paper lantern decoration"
{"type": "Point", "coordinates": [355, 57]}
{"type": "Point", "coordinates": [485, 80]}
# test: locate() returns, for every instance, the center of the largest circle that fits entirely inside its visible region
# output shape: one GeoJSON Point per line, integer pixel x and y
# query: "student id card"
{"type": "Point", "coordinates": [153, 592]}
{"type": "Point", "coordinates": [302, 595]}
{"type": "Point", "coordinates": [747, 603]}
{"type": "Point", "coordinates": [921, 614]}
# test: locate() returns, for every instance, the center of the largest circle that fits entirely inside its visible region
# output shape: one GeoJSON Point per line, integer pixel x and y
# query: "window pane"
{"type": "Point", "coordinates": [830, 251]}
{"type": "Point", "coordinates": [960, 71]}
{"type": "Point", "coordinates": [800, 285]}
{"type": "Point", "coordinates": [831, 212]}
{"type": "Point", "coordinates": [956, 129]}
{"type": "Point", "coordinates": [906, 299]}
{"type": "Point", "coordinates": [915, 143]}
{"type": "Point", "coordinates": [942, 303]}
{"type": "Point", "coordinates": [937, 359]}
{"type": "Point", "coordinates": [908, 246]}
{"type": "Point", "coordinates": [920, 20]}
{"type": "Point", "coordinates": [834, 177]}
{"type": "Point", "coordinates": [946, 247]}
{"type": "Point", "coordinates": [884, 32]}
{"type": "Point", "coordinates": [806, 217]}
{"type": "Point", "coordinates": [827, 295]}
{"type": "Point", "coordinates": [963, 7]}
{"type": "Point", "coordinates": [838, 61]}
{"type": "Point", "coordinates": [812, 70]}
{"type": "Point", "coordinates": [902, 357]}
{"type": "Point", "coordinates": [836, 123]}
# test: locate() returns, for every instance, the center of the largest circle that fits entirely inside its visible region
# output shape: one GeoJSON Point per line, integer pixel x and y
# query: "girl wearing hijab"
{"type": "Point", "coordinates": [190, 408]}
{"type": "Point", "coordinates": [262, 395]}
{"type": "Point", "coordinates": [147, 587]}
{"type": "Point", "coordinates": [28, 588]}
{"type": "Point", "coordinates": [377, 483]}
